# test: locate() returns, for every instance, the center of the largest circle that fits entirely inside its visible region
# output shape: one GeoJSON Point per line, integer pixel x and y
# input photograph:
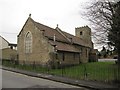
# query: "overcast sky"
{"type": "Point", "coordinates": [65, 13]}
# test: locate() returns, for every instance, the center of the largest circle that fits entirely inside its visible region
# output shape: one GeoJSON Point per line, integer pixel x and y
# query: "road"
{"type": "Point", "coordinates": [16, 80]}
{"type": "Point", "coordinates": [106, 60]}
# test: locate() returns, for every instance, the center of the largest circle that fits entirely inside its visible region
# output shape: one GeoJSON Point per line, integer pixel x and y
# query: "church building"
{"type": "Point", "coordinates": [46, 46]}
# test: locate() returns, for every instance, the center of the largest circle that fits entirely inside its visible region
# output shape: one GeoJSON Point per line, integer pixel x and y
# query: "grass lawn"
{"type": "Point", "coordinates": [99, 71]}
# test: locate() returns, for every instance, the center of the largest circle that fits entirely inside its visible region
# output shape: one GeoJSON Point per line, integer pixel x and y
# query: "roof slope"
{"type": "Point", "coordinates": [50, 32]}
{"type": "Point", "coordinates": [64, 40]}
{"type": "Point", "coordinates": [4, 39]}
{"type": "Point", "coordinates": [60, 35]}
{"type": "Point", "coordinates": [64, 46]}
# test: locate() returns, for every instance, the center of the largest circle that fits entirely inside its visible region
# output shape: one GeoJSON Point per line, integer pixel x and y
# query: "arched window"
{"type": "Point", "coordinates": [28, 42]}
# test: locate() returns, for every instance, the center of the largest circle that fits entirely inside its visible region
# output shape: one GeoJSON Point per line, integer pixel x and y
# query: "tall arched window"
{"type": "Point", "coordinates": [28, 42]}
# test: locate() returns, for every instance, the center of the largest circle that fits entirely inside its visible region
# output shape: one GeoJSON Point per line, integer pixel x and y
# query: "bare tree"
{"type": "Point", "coordinates": [105, 18]}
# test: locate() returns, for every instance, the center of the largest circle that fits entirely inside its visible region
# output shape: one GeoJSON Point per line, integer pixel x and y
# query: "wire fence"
{"type": "Point", "coordinates": [97, 71]}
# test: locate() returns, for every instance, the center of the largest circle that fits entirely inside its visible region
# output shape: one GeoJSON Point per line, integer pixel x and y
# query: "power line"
{"type": "Point", "coordinates": [8, 33]}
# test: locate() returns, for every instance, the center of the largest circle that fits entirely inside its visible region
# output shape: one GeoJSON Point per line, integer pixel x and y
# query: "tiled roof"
{"type": "Point", "coordinates": [64, 41]}
{"type": "Point", "coordinates": [76, 40]}
{"type": "Point", "coordinates": [50, 32]}
{"type": "Point", "coordinates": [64, 46]}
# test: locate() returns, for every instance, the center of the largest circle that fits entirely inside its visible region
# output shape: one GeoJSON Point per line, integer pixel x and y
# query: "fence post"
{"type": "Point", "coordinates": [14, 63]}
{"type": "Point", "coordinates": [85, 72]}
{"type": "Point", "coordinates": [62, 70]}
{"type": "Point", "coordinates": [23, 64]}
{"type": "Point", "coordinates": [33, 64]}
{"type": "Point", "coordinates": [47, 67]}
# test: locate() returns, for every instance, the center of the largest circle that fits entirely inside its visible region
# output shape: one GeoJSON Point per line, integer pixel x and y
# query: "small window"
{"type": "Point", "coordinates": [81, 33]}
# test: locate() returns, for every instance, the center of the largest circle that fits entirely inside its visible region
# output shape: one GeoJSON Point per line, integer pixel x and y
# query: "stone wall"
{"type": "Point", "coordinates": [3, 43]}
{"type": "Point", "coordinates": [93, 55]}
{"type": "Point", "coordinates": [84, 33]}
{"type": "Point", "coordinates": [40, 46]}
{"type": "Point", "coordinates": [43, 53]}
{"type": "Point", "coordinates": [9, 54]}
{"type": "Point", "coordinates": [68, 58]}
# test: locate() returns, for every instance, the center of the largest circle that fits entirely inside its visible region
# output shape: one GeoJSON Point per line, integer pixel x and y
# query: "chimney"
{"type": "Point", "coordinates": [54, 37]}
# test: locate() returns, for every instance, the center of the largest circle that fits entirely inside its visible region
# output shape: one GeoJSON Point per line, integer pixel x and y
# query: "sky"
{"type": "Point", "coordinates": [65, 13]}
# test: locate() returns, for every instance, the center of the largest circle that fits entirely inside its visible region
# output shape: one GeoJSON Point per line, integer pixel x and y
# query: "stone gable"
{"type": "Point", "coordinates": [51, 46]}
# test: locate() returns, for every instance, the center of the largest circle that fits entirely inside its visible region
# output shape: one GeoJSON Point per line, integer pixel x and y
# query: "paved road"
{"type": "Point", "coordinates": [104, 60]}
{"type": "Point", "coordinates": [15, 80]}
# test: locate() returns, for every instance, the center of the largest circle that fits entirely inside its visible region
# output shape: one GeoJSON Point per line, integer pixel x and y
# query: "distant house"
{"type": "Point", "coordinates": [9, 51]}
{"type": "Point", "coordinates": [9, 54]}
{"type": "Point", "coordinates": [3, 43]}
{"type": "Point", "coordinates": [40, 44]}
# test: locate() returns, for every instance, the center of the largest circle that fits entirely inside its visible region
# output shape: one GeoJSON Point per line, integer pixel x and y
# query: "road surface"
{"type": "Point", "coordinates": [106, 60]}
{"type": "Point", "coordinates": [16, 80]}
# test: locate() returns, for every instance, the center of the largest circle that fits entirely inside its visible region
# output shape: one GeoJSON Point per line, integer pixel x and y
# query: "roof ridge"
{"type": "Point", "coordinates": [44, 25]}
{"type": "Point", "coordinates": [37, 24]}
{"type": "Point", "coordinates": [25, 24]}
{"type": "Point", "coordinates": [68, 33]}
{"type": "Point", "coordinates": [61, 32]}
{"type": "Point", "coordinates": [4, 39]}
{"type": "Point", "coordinates": [72, 35]}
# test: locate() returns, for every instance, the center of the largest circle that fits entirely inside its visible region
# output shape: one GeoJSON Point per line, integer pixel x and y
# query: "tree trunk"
{"type": "Point", "coordinates": [118, 58]}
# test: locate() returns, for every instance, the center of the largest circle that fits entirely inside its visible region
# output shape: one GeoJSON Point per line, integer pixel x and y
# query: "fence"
{"type": "Point", "coordinates": [97, 71]}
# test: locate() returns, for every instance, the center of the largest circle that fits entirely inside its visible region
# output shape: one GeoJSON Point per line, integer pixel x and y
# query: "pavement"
{"type": "Point", "coordinates": [82, 83]}
{"type": "Point", "coordinates": [106, 60]}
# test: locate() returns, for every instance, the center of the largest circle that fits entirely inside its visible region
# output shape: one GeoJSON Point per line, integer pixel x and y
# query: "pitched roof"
{"type": "Point", "coordinates": [75, 40]}
{"type": "Point", "coordinates": [4, 39]}
{"type": "Point", "coordinates": [64, 40]}
{"type": "Point", "coordinates": [50, 32]}
{"type": "Point", "coordinates": [60, 35]}
{"type": "Point", "coordinates": [64, 46]}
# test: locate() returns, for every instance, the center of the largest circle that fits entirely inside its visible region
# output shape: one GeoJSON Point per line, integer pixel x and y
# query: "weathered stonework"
{"type": "Point", "coordinates": [40, 45]}
{"type": "Point", "coordinates": [9, 54]}
{"type": "Point", "coordinates": [50, 46]}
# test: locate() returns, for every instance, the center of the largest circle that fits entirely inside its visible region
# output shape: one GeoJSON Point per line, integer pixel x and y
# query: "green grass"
{"type": "Point", "coordinates": [99, 71]}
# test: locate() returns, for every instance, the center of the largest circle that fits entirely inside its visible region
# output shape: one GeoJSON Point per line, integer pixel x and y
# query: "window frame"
{"type": "Point", "coordinates": [81, 32]}
{"type": "Point", "coordinates": [28, 42]}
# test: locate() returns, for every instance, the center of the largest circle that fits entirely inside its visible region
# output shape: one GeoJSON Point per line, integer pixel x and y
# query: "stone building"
{"type": "Point", "coordinates": [40, 44]}
{"type": "Point", "coordinates": [3, 43]}
{"type": "Point", "coordinates": [8, 50]}
{"type": "Point", "coordinates": [9, 54]}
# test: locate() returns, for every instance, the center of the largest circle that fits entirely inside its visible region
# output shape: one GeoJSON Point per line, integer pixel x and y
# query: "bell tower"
{"type": "Point", "coordinates": [84, 33]}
